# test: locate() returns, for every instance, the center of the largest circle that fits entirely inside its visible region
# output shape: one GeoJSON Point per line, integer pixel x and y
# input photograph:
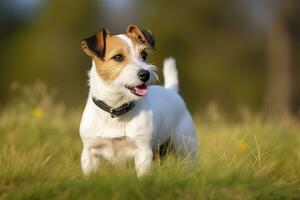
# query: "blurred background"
{"type": "Point", "coordinates": [236, 55]}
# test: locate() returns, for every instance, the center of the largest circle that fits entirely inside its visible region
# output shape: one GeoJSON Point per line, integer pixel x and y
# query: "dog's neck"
{"type": "Point", "coordinates": [103, 91]}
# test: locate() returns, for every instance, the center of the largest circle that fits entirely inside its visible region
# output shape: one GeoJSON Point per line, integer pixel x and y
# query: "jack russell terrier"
{"type": "Point", "coordinates": [124, 117]}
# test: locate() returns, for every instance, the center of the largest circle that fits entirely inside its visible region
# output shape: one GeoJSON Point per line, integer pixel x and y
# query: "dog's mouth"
{"type": "Point", "coordinates": [139, 90]}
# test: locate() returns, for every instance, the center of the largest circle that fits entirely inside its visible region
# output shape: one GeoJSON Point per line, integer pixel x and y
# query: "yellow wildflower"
{"type": "Point", "coordinates": [241, 146]}
{"type": "Point", "coordinates": [38, 112]}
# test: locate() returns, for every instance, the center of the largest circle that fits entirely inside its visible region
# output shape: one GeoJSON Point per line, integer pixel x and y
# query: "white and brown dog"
{"type": "Point", "coordinates": [124, 117]}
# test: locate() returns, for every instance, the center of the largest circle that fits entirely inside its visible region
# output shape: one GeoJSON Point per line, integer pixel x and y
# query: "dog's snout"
{"type": "Point", "coordinates": [144, 75]}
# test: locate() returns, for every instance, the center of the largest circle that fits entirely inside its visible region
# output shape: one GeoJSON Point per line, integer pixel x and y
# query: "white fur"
{"type": "Point", "coordinates": [156, 117]}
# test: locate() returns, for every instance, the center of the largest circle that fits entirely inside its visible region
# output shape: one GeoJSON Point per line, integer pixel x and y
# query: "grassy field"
{"type": "Point", "coordinates": [40, 158]}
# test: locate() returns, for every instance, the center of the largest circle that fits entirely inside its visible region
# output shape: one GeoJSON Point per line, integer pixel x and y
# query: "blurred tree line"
{"type": "Point", "coordinates": [236, 54]}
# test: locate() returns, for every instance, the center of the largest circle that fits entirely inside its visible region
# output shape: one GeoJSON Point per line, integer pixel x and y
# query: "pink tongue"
{"type": "Point", "coordinates": [142, 91]}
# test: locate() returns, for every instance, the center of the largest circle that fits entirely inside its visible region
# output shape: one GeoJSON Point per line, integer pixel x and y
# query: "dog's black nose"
{"type": "Point", "coordinates": [144, 75]}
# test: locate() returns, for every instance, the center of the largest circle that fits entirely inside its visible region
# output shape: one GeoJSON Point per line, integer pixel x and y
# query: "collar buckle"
{"type": "Point", "coordinates": [112, 112]}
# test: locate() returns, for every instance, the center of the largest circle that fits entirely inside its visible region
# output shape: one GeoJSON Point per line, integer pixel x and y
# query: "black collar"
{"type": "Point", "coordinates": [114, 112]}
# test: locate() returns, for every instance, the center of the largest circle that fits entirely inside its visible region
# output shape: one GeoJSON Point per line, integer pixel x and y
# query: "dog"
{"type": "Point", "coordinates": [126, 117]}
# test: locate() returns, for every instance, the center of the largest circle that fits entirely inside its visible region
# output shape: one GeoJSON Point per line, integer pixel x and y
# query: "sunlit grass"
{"type": "Point", "coordinates": [40, 158]}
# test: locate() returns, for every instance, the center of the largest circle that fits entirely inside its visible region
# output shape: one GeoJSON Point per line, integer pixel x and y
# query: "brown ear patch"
{"type": "Point", "coordinates": [96, 44]}
{"type": "Point", "coordinates": [142, 35]}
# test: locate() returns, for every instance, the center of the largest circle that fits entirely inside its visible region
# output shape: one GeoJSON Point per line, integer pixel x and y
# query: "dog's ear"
{"type": "Point", "coordinates": [142, 35]}
{"type": "Point", "coordinates": [95, 45]}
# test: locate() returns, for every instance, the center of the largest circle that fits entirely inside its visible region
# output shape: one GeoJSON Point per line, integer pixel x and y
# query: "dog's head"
{"type": "Point", "coordinates": [121, 60]}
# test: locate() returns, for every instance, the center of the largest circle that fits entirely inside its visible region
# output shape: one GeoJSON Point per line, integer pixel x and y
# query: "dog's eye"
{"type": "Point", "coordinates": [143, 55]}
{"type": "Point", "coordinates": [118, 58]}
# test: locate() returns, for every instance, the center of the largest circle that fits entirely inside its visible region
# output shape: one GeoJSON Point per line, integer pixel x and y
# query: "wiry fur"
{"type": "Point", "coordinates": [156, 117]}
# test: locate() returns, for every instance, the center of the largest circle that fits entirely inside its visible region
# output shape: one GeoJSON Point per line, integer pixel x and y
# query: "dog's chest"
{"type": "Point", "coordinates": [110, 129]}
{"type": "Point", "coordinates": [132, 125]}
{"type": "Point", "coordinates": [113, 149]}
{"type": "Point", "coordinates": [94, 125]}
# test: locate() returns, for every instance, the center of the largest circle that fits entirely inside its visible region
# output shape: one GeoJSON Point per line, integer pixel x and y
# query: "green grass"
{"type": "Point", "coordinates": [40, 158]}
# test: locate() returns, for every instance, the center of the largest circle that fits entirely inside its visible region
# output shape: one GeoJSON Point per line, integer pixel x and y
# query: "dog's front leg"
{"type": "Point", "coordinates": [143, 160]}
{"type": "Point", "coordinates": [89, 162]}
